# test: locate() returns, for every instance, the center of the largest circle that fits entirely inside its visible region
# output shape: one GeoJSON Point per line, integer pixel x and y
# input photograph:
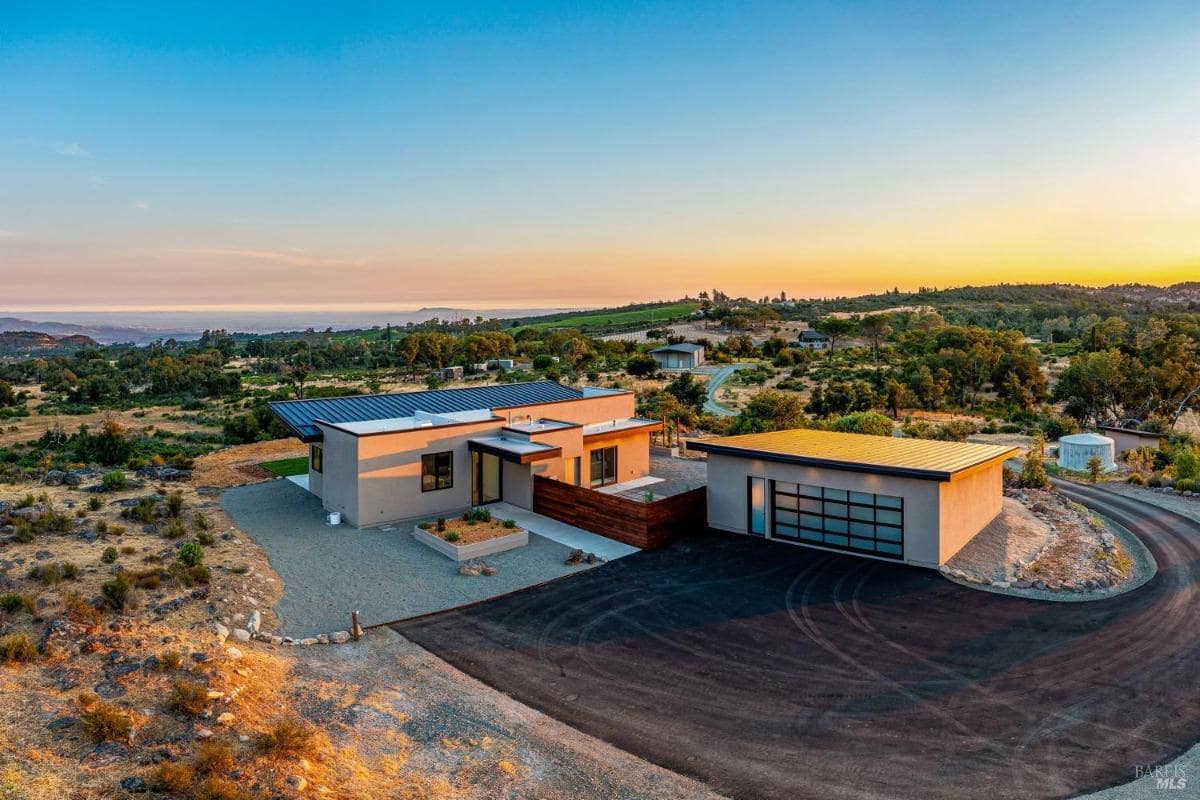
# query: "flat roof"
{"type": "Point", "coordinates": [418, 420]}
{"type": "Point", "coordinates": [540, 426]}
{"type": "Point", "coordinates": [300, 415]}
{"type": "Point", "coordinates": [613, 425]}
{"type": "Point", "coordinates": [856, 452]}
{"type": "Point", "coordinates": [1134, 431]}
{"type": "Point", "coordinates": [682, 347]}
{"type": "Point", "coordinates": [519, 450]}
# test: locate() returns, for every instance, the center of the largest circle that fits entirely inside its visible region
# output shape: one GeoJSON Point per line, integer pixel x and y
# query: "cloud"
{"type": "Point", "coordinates": [293, 257]}
{"type": "Point", "coordinates": [72, 149]}
{"type": "Point", "coordinates": [141, 204]}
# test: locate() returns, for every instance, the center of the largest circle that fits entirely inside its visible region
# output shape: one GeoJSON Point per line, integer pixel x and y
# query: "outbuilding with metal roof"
{"type": "Point", "coordinates": [913, 500]}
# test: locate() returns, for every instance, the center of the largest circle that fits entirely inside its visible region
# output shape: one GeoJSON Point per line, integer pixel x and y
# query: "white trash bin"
{"type": "Point", "coordinates": [335, 518]}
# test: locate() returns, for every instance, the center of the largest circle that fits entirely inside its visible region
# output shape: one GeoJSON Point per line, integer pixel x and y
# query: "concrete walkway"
{"type": "Point", "coordinates": [561, 532]}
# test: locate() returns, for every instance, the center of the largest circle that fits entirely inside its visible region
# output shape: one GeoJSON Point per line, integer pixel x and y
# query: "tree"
{"type": "Point", "coordinates": [770, 410]}
{"type": "Point", "coordinates": [687, 391]}
{"type": "Point", "coordinates": [1095, 467]}
{"type": "Point", "coordinates": [869, 422]}
{"type": "Point", "coordinates": [876, 327]}
{"type": "Point", "coordinates": [1033, 472]}
{"type": "Point", "coordinates": [7, 396]}
{"type": "Point", "coordinates": [641, 366]}
{"type": "Point", "coordinates": [836, 328]}
{"type": "Point", "coordinates": [895, 396]}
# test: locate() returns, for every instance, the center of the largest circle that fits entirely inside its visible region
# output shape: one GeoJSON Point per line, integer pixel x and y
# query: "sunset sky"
{"type": "Point", "coordinates": [585, 153]}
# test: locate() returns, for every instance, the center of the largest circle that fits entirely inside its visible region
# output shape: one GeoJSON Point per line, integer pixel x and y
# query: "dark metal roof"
{"type": "Point", "coordinates": [812, 336]}
{"type": "Point", "coordinates": [299, 415]}
{"type": "Point", "coordinates": [684, 347]}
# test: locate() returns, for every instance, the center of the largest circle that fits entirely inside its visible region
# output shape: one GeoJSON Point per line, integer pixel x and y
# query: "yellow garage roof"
{"type": "Point", "coordinates": [857, 452]}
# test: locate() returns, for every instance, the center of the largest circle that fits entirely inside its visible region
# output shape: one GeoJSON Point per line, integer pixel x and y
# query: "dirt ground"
{"type": "Point", "coordinates": [167, 418]}
{"type": "Point", "coordinates": [234, 466]}
{"type": "Point", "coordinates": [378, 719]}
{"type": "Point", "coordinates": [1017, 536]}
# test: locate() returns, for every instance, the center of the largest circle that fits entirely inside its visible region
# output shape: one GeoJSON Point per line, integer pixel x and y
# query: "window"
{"type": "Point", "coordinates": [869, 523]}
{"type": "Point", "coordinates": [603, 463]}
{"type": "Point", "coordinates": [317, 459]}
{"type": "Point", "coordinates": [437, 471]}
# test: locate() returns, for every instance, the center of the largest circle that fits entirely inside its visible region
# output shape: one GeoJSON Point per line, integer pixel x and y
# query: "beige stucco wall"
{"type": "Point", "coordinates": [633, 456]}
{"type": "Point", "coordinates": [727, 498]}
{"type": "Point", "coordinates": [1125, 442]}
{"type": "Point", "coordinates": [585, 410]}
{"type": "Point", "coordinates": [340, 480]}
{"type": "Point", "coordinates": [968, 504]}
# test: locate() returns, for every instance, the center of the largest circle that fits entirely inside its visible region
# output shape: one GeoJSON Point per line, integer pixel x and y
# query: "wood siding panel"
{"type": "Point", "coordinates": [644, 525]}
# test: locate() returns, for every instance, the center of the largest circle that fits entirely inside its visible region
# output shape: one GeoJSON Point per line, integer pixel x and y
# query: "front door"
{"type": "Point", "coordinates": [756, 503]}
{"type": "Point", "coordinates": [485, 478]}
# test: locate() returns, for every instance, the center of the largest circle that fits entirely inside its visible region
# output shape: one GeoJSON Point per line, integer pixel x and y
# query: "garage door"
{"type": "Point", "coordinates": [857, 521]}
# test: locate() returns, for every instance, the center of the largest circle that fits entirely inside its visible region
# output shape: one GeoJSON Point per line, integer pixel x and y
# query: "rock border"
{"type": "Point", "coordinates": [1144, 568]}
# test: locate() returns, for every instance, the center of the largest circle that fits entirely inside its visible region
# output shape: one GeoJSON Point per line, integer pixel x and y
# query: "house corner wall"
{"type": "Point", "coordinates": [339, 481]}
{"type": "Point", "coordinates": [316, 480]}
{"type": "Point", "coordinates": [968, 504]}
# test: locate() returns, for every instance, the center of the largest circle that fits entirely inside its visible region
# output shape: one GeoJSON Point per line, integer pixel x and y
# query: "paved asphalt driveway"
{"type": "Point", "coordinates": [771, 671]}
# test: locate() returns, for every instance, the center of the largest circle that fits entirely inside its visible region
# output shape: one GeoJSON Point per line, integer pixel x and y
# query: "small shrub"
{"type": "Point", "coordinates": [17, 648]}
{"type": "Point", "coordinates": [26, 502]}
{"type": "Point", "coordinates": [189, 576]}
{"type": "Point", "coordinates": [81, 513]}
{"type": "Point", "coordinates": [48, 574]}
{"type": "Point", "coordinates": [118, 592]}
{"type": "Point", "coordinates": [173, 777]}
{"type": "Point", "coordinates": [109, 555]}
{"type": "Point", "coordinates": [205, 538]}
{"type": "Point", "coordinates": [104, 723]}
{"type": "Point", "coordinates": [128, 549]}
{"type": "Point", "coordinates": [23, 531]}
{"type": "Point", "coordinates": [101, 526]}
{"type": "Point", "coordinates": [170, 660]}
{"type": "Point", "coordinates": [95, 503]}
{"type": "Point", "coordinates": [1137, 480]}
{"type": "Point", "coordinates": [191, 554]}
{"type": "Point", "coordinates": [188, 697]}
{"type": "Point", "coordinates": [510, 523]}
{"type": "Point", "coordinates": [287, 737]}
{"type": "Point", "coordinates": [70, 570]}
{"type": "Point", "coordinates": [80, 610]}
{"type": "Point", "coordinates": [451, 536]}
{"type": "Point", "coordinates": [174, 528]}
{"type": "Point", "coordinates": [240, 569]}
{"type": "Point", "coordinates": [201, 523]}
{"type": "Point", "coordinates": [11, 603]}
{"type": "Point", "coordinates": [441, 524]}
{"type": "Point", "coordinates": [214, 757]}
{"type": "Point", "coordinates": [1155, 481]}
{"type": "Point", "coordinates": [114, 481]}
{"type": "Point", "coordinates": [149, 579]}
{"type": "Point", "coordinates": [175, 504]}
{"type": "Point", "coordinates": [116, 530]}
{"type": "Point", "coordinates": [1185, 485]}
{"type": "Point", "coordinates": [1095, 469]}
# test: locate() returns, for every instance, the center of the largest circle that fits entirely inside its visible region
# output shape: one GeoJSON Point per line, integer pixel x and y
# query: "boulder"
{"type": "Point", "coordinates": [241, 635]}
{"type": "Point", "coordinates": [339, 637]}
{"type": "Point", "coordinates": [54, 477]}
{"type": "Point", "coordinates": [221, 631]}
{"type": "Point", "coordinates": [73, 478]}
{"type": "Point", "coordinates": [254, 622]}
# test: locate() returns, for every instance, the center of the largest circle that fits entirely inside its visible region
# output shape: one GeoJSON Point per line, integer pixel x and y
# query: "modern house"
{"type": "Point", "coordinates": [389, 457]}
{"type": "Point", "coordinates": [813, 340]}
{"type": "Point", "coordinates": [679, 356]}
{"type": "Point", "coordinates": [912, 500]}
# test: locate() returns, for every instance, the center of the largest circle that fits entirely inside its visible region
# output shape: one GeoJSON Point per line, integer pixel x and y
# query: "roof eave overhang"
{"type": "Point", "coordinates": [600, 436]}
{"type": "Point", "coordinates": [848, 466]}
{"type": "Point", "coordinates": [516, 458]}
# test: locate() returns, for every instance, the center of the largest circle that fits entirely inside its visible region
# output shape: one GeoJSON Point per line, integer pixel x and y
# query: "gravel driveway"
{"type": "Point", "coordinates": [387, 575]}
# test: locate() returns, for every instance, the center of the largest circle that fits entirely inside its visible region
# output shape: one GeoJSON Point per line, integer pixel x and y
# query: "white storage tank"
{"type": "Point", "coordinates": [1075, 451]}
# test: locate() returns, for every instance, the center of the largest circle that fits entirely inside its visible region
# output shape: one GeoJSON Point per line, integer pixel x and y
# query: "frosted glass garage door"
{"type": "Point", "coordinates": [857, 521]}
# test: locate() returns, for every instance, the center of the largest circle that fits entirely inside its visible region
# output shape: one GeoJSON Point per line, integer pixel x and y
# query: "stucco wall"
{"type": "Point", "coordinates": [727, 497]}
{"type": "Point", "coordinates": [585, 410]}
{"type": "Point", "coordinates": [633, 456]}
{"type": "Point", "coordinates": [518, 483]}
{"type": "Point", "coordinates": [340, 482]}
{"type": "Point", "coordinates": [1125, 442]}
{"type": "Point", "coordinates": [968, 504]}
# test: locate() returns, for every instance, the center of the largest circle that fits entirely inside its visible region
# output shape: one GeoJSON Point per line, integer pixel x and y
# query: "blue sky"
{"type": "Point", "coordinates": [508, 152]}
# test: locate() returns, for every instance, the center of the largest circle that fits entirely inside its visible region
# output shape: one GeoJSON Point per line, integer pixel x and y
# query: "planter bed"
{"type": "Point", "coordinates": [477, 541]}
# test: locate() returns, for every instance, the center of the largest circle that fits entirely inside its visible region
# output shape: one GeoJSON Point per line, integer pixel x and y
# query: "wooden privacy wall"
{"type": "Point", "coordinates": [644, 525]}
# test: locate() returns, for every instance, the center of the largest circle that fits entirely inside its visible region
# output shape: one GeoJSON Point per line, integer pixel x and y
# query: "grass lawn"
{"type": "Point", "coordinates": [287, 466]}
{"type": "Point", "coordinates": [616, 318]}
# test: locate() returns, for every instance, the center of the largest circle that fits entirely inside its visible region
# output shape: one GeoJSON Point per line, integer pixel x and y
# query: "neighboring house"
{"type": "Point", "coordinates": [679, 356]}
{"type": "Point", "coordinates": [912, 500]}
{"type": "Point", "coordinates": [448, 373]}
{"type": "Point", "coordinates": [813, 340]}
{"type": "Point", "coordinates": [389, 457]}
{"type": "Point", "coordinates": [1126, 439]}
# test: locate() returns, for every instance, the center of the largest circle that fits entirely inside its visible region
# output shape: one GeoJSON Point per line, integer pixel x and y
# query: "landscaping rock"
{"type": "Point", "coordinates": [255, 621]}
{"type": "Point", "coordinates": [221, 631]}
{"type": "Point", "coordinates": [241, 635]}
{"type": "Point", "coordinates": [109, 689]}
{"type": "Point", "coordinates": [340, 637]}
{"type": "Point", "coordinates": [63, 723]}
{"type": "Point", "coordinates": [489, 570]}
{"type": "Point", "coordinates": [470, 569]}
{"type": "Point", "coordinates": [73, 478]}
{"type": "Point", "coordinates": [576, 557]}
{"type": "Point", "coordinates": [54, 477]}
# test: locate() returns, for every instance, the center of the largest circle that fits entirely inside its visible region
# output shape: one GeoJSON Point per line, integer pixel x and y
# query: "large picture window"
{"type": "Point", "coordinates": [859, 521]}
{"type": "Point", "coordinates": [603, 464]}
{"type": "Point", "coordinates": [437, 471]}
{"type": "Point", "coordinates": [317, 457]}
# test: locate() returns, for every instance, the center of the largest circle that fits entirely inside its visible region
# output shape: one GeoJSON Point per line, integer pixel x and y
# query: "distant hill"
{"type": "Point", "coordinates": [1090, 298]}
{"type": "Point", "coordinates": [22, 343]}
{"type": "Point", "coordinates": [105, 334]}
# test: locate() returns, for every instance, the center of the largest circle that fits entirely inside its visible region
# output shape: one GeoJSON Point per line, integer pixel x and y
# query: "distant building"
{"type": "Point", "coordinates": [678, 356]}
{"type": "Point", "coordinates": [1126, 439]}
{"type": "Point", "coordinates": [813, 340]}
{"type": "Point", "coordinates": [500, 363]}
{"type": "Point", "coordinates": [448, 373]}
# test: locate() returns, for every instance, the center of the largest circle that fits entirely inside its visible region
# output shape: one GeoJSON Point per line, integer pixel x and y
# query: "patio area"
{"type": "Point", "coordinates": [668, 477]}
{"type": "Point", "coordinates": [384, 572]}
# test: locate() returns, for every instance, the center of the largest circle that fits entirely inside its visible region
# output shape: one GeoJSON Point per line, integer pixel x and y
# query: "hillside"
{"type": "Point", "coordinates": [17, 343]}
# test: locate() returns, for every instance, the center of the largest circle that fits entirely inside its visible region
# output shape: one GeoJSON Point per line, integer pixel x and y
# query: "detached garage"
{"type": "Point", "coordinates": [912, 500]}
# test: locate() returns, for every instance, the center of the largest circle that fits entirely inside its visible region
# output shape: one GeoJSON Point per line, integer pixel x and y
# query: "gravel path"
{"type": "Point", "coordinates": [714, 383]}
{"type": "Point", "coordinates": [1187, 506]}
{"type": "Point", "coordinates": [387, 575]}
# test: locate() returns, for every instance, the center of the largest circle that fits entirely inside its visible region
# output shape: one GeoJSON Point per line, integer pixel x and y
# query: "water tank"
{"type": "Point", "coordinates": [1074, 452]}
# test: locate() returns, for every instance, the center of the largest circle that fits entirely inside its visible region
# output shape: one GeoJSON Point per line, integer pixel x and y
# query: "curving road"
{"type": "Point", "coordinates": [722, 374]}
{"type": "Point", "coordinates": [771, 671]}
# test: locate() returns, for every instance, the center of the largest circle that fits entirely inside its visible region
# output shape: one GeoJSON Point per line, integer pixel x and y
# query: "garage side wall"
{"type": "Point", "coordinates": [969, 503]}
{"type": "Point", "coordinates": [316, 480]}
{"type": "Point", "coordinates": [728, 510]}
{"type": "Point", "coordinates": [339, 484]}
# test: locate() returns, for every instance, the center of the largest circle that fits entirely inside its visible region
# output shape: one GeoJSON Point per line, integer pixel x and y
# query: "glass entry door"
{"type": "Point", "coordinates": [485, 478]}
{"type": "Point", "coordinates": [756, 502]}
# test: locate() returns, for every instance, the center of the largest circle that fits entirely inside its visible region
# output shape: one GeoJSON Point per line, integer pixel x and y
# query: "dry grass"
{"type": "Point", "coordinates": [16, 648]}
{"type": "Point", "coordinates": [188, 697]}
{"type": "Point", "coordinates": [238, 465]}
{"type": "Point", "coordinates": [103, 722]}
